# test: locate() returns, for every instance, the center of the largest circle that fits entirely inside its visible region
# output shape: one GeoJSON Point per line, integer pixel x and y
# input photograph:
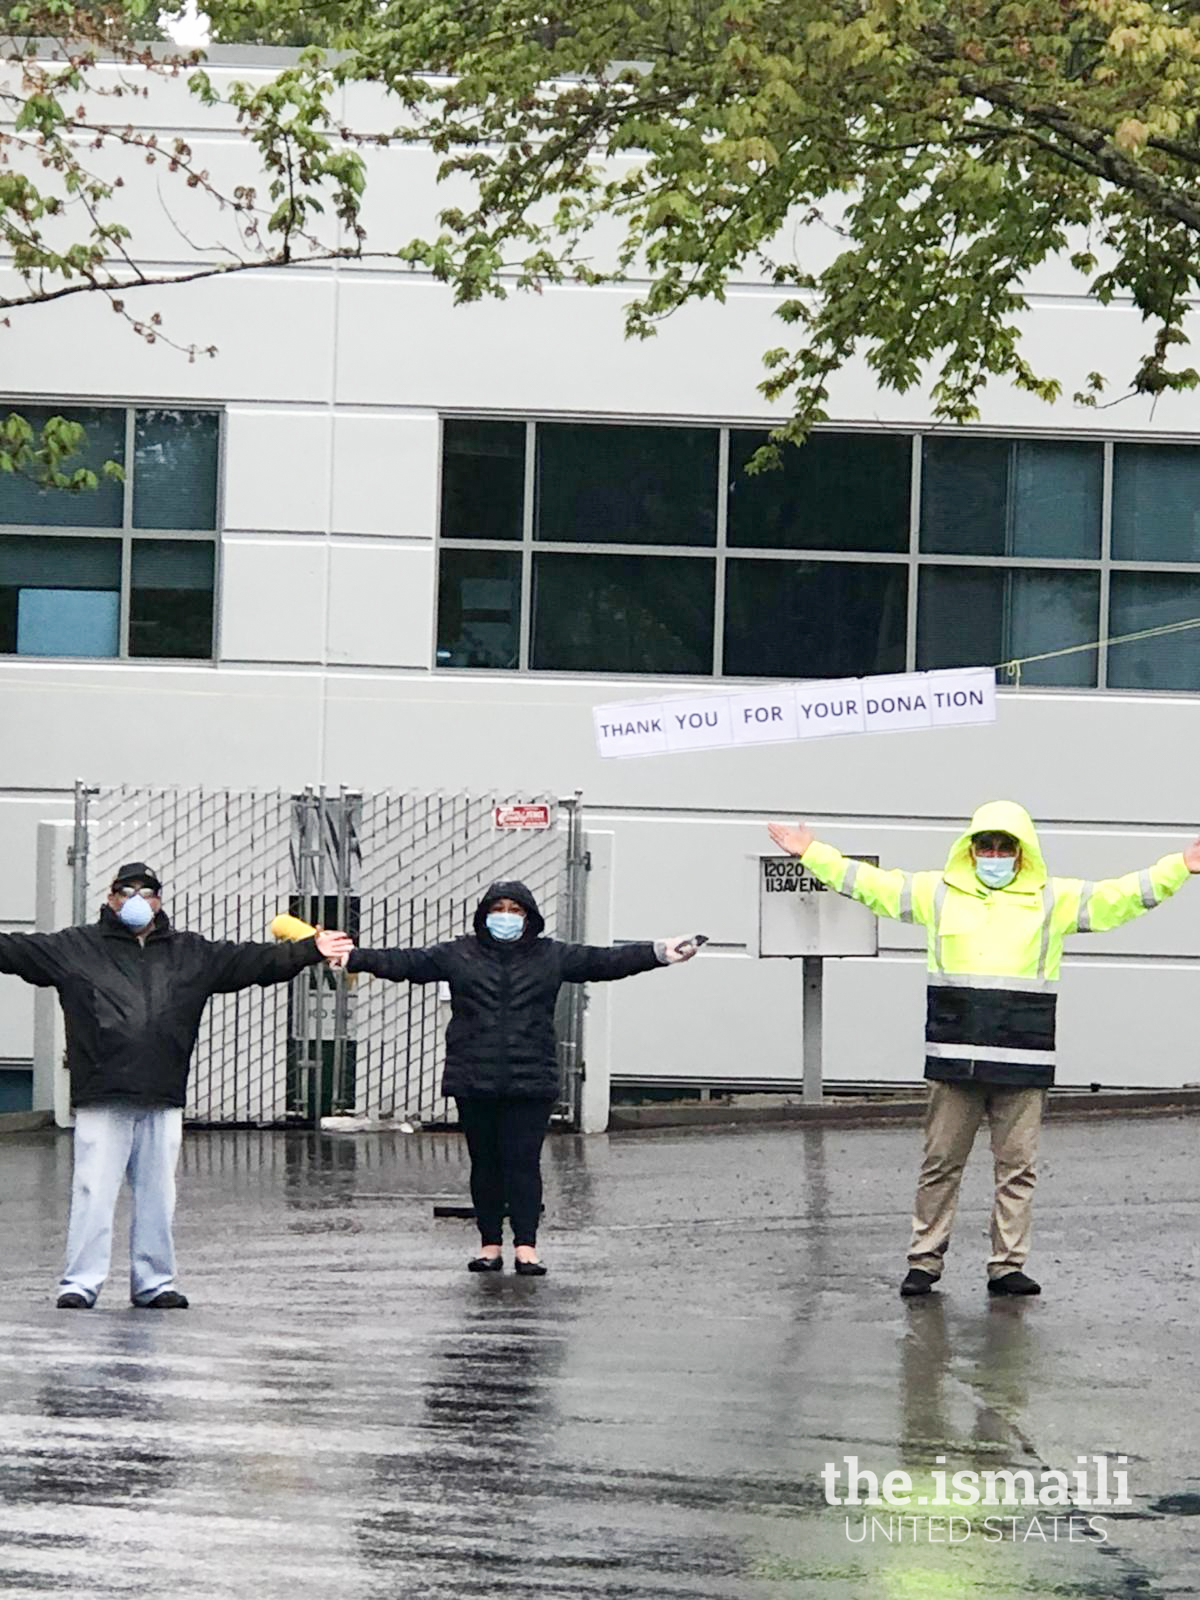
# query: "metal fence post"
{"type": "Point", "coordinates": [573, 932]}
{"type": "Point", "coordinates": [348, 803]}
{"type": "Point", "coordinates": [307, 1031]}
{"type": "Point", "coordinates": [78, 853]}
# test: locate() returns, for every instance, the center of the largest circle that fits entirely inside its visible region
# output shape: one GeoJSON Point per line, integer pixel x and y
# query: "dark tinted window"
{"type": "Point", "coordinates": [983, 616]}
{"type": "Point", "coordinates": [596, 613]}
{"type": "Point", "coordinates": [60, 597]}
{"type": "Point", "coordinates": [175, 469]}
{"type": "Point", "coordinates": [479, 609]}
{"type": "Point", "coordinates": [1156, 502]}
{"type": "Point", "coordinates": [483, 479]}
{"type": "Point", "coordinates": [814, 619]}
{"type": "Point", "coordinates": [626, 485]}
{"type": "Point", "coordinates": [1139, 600]}
{"type": "Point", "coordinates": [171, 598]}
{"type": "Point", "coordinates": [838, 491]}
{"type": "Point", "coordinates": [22, 501]}
{"type": "Point", "coordinates": [997, 497]}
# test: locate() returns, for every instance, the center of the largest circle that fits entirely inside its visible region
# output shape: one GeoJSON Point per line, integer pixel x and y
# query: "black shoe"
{"type": "Point", "coordinates": [917, 1282]}
{"type": "Point", "coordinates": [486, 1264]}
{"type": "Point", "coordinates": [1013, 1283]}
{"type": "Point", "coordinates": [73, 1302]}
{"type": "Point", "coordinates": [168, 1300]}
{"type": "Point", "coordinates": [531, 1269]}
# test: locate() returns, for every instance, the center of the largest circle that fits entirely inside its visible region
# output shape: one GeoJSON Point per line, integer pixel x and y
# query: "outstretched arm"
{"type": "Point", "coordinates": [595, 963]}
{"type": "Point", "coordinates": [1112, 901]}
{"type": "Point", "coordinates": [36, 957]}
{"type": "Point", "coordinates": [902, 895]}
{"type": "Point", "coordinates": [412, 966]}
{"type": "Point", "coordinates": [237, 966]}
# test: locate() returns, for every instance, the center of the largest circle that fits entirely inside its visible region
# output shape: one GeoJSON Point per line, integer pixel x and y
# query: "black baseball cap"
{"type": "Point", "coordinates": [137, 872]}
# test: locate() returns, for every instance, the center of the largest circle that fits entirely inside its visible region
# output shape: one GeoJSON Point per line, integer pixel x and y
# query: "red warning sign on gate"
{"type": "Point", "coordinates": [521, 816]}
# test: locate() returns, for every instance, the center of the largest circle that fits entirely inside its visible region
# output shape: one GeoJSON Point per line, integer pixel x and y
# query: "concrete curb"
{"type": "Point", "coordinates": [868, 1113]}
{"type": "Point", "coordinates": [25, 1121]}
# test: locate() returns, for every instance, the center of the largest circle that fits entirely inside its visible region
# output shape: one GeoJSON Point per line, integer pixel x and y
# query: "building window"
{"type": "Point", "coordinates": [624, 485]}
{"type": "Point", "coordinates": [109, 588]}
{"type": "Point", "coordinates": [978, 616]}
{"type": "Point", "coordinates": [171, 598]}
{"type": "Point", "coordinates": [616, 548]}
{"type": "Point", "coordinates": [814, 619]}
{"type": "Point", "coordinates": [1143, 600]}
{"type": "Point", "coordinates": [24, 504]}
{"type": "Point", "coordinates": [837, 491]}
{"type": "Point", "coordinates": [627, 614]}
{"type": "Point", "coordinates": [1156, 502]}
{"type": "Point", "coordinates": [1002, 497]}
{"type": "Point", "coordinates": [175, 469]}
{"type": "Point", "coordinates": [483, 479]}
{"type": "Point", "coordinates": [479, 609]}
{"type": "Point", "coordinates": [59, 596]}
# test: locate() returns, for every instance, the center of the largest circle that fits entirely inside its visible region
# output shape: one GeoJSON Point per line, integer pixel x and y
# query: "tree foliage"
{"type": "Point", "coordinates": [897, 169]}
{"type": "Point", "coordinates": [70, 146]}
{"type": "Point", "coordinates": [294, 23]}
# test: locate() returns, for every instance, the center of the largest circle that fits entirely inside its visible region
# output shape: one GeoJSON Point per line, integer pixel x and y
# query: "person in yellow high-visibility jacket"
{"type": "Point", "coordinates": [996, 922]}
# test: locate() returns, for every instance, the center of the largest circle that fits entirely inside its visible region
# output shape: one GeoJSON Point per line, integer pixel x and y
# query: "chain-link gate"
{"type": "Point", "coordinates": [391, 869]}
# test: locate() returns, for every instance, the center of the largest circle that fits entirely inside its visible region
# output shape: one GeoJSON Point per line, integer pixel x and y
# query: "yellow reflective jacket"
{"type": "Point", "coordinates": [995, 954]}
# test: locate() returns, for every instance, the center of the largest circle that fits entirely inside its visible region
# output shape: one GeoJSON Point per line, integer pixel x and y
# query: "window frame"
{"type": "Point", "coordinates": [126, 533]}
{"type": "Point", "coordinates": [913, 558]}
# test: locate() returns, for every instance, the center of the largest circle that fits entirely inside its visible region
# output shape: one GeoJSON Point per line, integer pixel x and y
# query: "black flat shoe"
{"type": "Point", "coordinates": [531, 1269]}
{"type": "Point", "coordinates": [486, 1264]}
{"type": "Point", "coordinates": [73, 1302]}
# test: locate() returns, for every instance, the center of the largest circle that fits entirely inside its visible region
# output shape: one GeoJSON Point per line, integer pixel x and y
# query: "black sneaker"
{"type": "Point", "coordinates": [917, 1282]}
{"type": "Point", "coordinates": [1013, 1283]}
{"type": "Point", "coordinates": [73, 1302]}
{"type": "Point", "coordinates": [168, 1300]}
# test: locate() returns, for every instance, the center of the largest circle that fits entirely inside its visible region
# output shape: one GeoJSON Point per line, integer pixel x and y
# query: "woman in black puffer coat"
{"type": "Point", "coordinates": [501, 1047]}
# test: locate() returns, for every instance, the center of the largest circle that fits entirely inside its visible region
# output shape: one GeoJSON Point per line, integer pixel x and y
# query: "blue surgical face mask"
{"type": "Point", "coordinates": [996, 871]}
{"type": "Point", "coordinates": [505, 925]}
{"type": "Point", "coordinates": [136, 913]}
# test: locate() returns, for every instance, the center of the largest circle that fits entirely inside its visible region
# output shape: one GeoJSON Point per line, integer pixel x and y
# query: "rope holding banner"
{"type": "Point", "coordinates": [1013, 668]}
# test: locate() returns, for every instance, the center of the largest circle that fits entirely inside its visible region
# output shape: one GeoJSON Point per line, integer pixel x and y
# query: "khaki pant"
{"type": "Point", "coordinates": [951, 1123]}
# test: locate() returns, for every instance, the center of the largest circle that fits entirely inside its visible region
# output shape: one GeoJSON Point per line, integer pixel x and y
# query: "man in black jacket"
{"type": "Point", "coordinates": [501, 1046]}
{"type": "Point", "coordinates": [133, 989]}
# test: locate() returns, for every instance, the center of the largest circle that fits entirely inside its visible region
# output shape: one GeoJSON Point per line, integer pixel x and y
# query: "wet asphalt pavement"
{"type": "Point", "coordinates": [345, 1412]}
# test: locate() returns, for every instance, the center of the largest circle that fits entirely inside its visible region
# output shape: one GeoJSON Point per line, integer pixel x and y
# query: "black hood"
{"type": "Point", "coordinates": [509, 889]}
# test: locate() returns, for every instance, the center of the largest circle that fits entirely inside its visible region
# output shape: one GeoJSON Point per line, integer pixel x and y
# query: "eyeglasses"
{"type": "Point", "coordinates": [126, 893]}
{"type": "Point", "coordinates": [995, 843]}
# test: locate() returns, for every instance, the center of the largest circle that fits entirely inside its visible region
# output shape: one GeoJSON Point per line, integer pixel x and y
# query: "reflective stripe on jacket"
{"type": "Point", "coordinates": [995, 954]}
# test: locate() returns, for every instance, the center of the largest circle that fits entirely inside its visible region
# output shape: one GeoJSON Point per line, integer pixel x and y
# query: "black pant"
{"type": "Point", "coordinates": [504, 1137]}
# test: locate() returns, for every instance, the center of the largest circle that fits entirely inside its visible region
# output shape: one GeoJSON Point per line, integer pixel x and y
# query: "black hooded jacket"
{"type": "Point", "coordinates": [133, 1010]}
{"type": "Point", "coordinates": [501, 1038]}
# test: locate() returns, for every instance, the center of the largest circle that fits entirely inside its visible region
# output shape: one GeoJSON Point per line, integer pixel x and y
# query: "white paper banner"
{"type": "Point", "coordinates": [789, 711]}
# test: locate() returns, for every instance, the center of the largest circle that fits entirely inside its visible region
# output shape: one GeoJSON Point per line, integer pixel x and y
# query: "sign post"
{"type": "Point", "coordinates": [813, 1043]}
{"type": "Point", "coordinates": [798, 918]}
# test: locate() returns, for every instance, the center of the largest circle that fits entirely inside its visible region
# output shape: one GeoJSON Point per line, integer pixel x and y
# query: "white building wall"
{"type": "Point", "coordinates": [332, 381]}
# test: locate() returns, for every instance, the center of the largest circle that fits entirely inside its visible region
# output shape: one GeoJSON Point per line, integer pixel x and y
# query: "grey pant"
{"type": "Point", "coordinates": [113, 1143]}
{"type": "Point", "coordinates": [951, 1123]}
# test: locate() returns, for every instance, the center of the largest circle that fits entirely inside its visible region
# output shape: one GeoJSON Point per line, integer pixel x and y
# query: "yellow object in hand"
{"type": "Point", "coordinates": [294, 929]}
